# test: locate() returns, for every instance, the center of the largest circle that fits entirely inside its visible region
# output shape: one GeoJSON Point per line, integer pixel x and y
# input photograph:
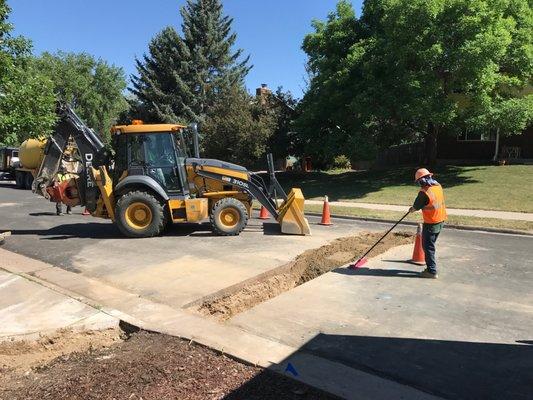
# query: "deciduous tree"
{"type": "Point", "coordinates": [92, 86]}
{"type": "Point", "coordinates": [237, 129]}
{"type": "Point", "coordinates": [415, 69]}
{"type": "Point", "coordinates": [26, 100]}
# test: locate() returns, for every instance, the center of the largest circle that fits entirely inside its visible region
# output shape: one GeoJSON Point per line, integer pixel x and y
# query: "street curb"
{"type": "Point", "coordinates": [449, 226]}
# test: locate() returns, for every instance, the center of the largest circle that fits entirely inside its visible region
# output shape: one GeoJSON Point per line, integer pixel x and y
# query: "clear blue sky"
{"type": "Point", "coordinates": [270, 31]}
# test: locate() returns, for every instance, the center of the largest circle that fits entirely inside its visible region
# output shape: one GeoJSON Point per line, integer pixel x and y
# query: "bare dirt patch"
{"type": "Point", "coordinates": [22, 356]}
{"type": "Point", "coordinates": [307, 266]}
{"type": "Point", "coordinates": [153, 366]}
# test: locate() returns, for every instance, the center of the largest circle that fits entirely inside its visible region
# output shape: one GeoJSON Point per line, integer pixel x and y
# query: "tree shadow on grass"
{"type": "Point", "coordinates": [358, 184]}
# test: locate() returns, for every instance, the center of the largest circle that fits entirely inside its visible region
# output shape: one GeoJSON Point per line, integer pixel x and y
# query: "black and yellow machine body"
{"type": "Point", "coordinates": [152, 181]}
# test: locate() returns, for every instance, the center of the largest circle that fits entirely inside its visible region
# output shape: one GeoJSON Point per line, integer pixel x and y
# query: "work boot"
{"type": "Point", "coordinates": [428, 274]}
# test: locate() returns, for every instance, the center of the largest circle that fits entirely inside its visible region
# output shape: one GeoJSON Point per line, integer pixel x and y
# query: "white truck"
{"type": "Point", "coordinates": [9, 161]}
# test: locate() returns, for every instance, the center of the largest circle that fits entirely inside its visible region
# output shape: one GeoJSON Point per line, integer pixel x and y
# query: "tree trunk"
{"type": "Point", "coordinates": [431, 144]}
{"type": "Point", "coordinates": [497, 146]}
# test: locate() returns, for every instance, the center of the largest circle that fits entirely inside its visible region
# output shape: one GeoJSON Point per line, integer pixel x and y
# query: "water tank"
{"type": "Point", "coordinates": [31, 153]}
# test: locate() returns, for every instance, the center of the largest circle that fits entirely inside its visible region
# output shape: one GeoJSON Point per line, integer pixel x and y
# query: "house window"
{"type": "Point", "coordinates": [477, 136]}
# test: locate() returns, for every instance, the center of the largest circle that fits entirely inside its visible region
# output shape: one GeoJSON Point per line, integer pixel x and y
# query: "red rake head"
{"type": "Point", "coordinates": [359, 263]}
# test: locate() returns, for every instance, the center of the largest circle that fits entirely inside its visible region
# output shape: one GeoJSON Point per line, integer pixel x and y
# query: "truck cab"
{"type": "Point", "coordinates": [9, 159]}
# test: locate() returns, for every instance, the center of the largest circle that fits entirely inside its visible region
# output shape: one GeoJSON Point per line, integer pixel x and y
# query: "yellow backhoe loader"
{"type": "Point", "coordinates": [152, 180]}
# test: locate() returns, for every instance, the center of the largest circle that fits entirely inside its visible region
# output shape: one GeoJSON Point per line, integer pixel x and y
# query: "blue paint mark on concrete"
{"type": "Point", "coordinates": [290, 368]}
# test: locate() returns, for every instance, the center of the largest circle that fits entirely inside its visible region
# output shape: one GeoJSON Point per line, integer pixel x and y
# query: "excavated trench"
{"type": "Point", "coordinates": [307, 266]}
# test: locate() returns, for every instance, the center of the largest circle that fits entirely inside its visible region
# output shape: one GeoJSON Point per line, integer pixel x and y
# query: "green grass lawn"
{"type": "Point", "coordinates": [452, 219]}
{"type": "Point", "coordinates": [506, 188]}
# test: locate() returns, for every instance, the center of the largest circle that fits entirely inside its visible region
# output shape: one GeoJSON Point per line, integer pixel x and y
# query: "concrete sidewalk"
{"type": "Point", "coordinates": [331, 376]}
{"type": "Point", "coordinates": [28, 310]}
{"type": "Point", "coordinates": [507, 215]}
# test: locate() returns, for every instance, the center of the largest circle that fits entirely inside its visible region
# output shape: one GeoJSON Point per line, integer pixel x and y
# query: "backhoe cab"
{"type": "Point", "coordinates": [154, 181]}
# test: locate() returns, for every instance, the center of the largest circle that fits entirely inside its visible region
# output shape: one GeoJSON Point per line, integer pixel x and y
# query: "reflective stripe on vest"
{"type": "Point", "coordinates": [62, 177]}
{"type": "Point", "coordinates": [435, 211]}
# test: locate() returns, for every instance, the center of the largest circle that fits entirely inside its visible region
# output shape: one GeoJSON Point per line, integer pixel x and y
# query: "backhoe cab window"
{"type": "Point", "coordinates": [159, 150]}
{"type": "Point", "coordinates": [136, 151]}
{"type": "Point", "coordinates": [182, 147]}
{"type": "Point", "coordinates": [155, 154]}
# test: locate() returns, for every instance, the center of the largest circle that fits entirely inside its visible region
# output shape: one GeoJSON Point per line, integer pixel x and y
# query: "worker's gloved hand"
{"type": "Point", "coordinates": [412, 210]}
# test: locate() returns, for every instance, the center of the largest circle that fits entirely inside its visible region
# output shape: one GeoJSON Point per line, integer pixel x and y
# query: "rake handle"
{"type": "Point", "coordinates": [383, 237]}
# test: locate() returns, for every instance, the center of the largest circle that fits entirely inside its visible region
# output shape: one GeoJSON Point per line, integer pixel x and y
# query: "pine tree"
{"type": "Point", "coordinates": [159, 88]}
{"type": "Point", "coordinates": [214, 68]}
{"type": "Point", "coordinates": [181, 77]}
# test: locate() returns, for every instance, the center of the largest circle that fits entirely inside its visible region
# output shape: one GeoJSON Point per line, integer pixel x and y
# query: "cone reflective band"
{"type": "Point", "coordinates": [326, 216]}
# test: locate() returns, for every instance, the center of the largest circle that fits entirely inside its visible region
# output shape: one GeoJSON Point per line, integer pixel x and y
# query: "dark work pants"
{"type": "Point", "coordinates": [428, 243]}
{"type": "Point", "coordinates": [59, 208]}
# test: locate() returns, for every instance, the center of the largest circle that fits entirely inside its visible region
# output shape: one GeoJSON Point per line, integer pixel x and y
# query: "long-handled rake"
{"type": "Point", "coordinates": [363, 260]}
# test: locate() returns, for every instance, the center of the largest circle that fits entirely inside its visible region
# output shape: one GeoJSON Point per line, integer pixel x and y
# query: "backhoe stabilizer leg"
{"type": "Point", "coordinates": [291, 214]}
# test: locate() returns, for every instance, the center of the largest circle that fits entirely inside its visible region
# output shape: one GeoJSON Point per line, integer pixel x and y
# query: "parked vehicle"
{"type": "Point", "coordinates": [9, 158]}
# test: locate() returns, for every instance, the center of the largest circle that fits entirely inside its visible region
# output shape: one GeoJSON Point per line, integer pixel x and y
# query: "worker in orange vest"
{"type": "Point", "coordinates": [430, 200]}
{"type": "Point", "coordinates": [62, 175]}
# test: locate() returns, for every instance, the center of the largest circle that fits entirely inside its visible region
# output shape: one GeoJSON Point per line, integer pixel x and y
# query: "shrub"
{"type": "Point", "coordinates": [342, 162]}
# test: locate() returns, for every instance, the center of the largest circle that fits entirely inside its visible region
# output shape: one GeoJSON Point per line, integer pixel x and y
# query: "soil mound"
{"type": "Point", "coordinates": [307, 266]}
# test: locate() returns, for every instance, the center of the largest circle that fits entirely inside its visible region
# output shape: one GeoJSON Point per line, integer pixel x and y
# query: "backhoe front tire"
{"type": "Point", "coordinates": [228, 217]}
{"type": "Point", "coordinates": [139, 214]}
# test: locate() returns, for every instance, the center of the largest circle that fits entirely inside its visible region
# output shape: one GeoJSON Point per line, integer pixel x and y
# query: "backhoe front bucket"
{"type": "Point", "coordinates": [291, 214]}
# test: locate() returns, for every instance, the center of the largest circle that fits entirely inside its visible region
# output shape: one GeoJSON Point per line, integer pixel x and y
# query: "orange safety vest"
{"type": "Point", "coordinates": [435, 211]}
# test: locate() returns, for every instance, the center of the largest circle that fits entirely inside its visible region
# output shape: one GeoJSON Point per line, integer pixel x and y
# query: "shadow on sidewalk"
{"type": "Point", "coordinates": [450, 369]}
{"type": "Point", "coordinates": [397, 273]}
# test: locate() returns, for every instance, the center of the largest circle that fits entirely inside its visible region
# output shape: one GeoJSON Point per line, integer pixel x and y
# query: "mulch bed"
{"type": "Point", "coordinates": [152, 366]}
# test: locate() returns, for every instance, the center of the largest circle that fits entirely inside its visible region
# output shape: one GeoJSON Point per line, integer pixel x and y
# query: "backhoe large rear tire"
{"type": "Point", "coordinates": [139, 214]}
{"type": "Point", "coordinates": [228, 217]}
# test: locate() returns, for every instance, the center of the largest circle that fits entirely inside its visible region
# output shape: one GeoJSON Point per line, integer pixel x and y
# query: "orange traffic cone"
{"type": "Point", "coordinates": [418, 252]}
{"type": "Point", "coordinates": [264, 214]}
{"type": "Point", "coordinates": [85, 212]}
{"type": "Point", "coordinates": [326, 217]}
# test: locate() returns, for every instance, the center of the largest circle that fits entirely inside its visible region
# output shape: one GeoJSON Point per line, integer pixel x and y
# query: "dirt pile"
{"type": "Point", "coordinates": [152, 366]}
{"type": "Point", "coordinates": [307, 266]}
{"type": "Point", "coordinates": [22, 356]}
